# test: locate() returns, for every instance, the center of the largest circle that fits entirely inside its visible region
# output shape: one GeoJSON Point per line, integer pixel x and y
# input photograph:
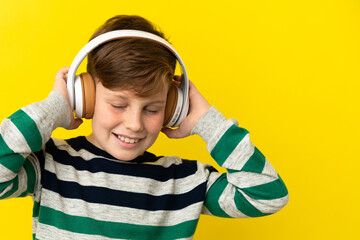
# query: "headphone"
{"type": "Point", "coordinates": [81, 88]}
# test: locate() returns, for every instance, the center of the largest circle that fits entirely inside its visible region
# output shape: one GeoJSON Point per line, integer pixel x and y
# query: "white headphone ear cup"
{"type": "Point", "coordinates": [78, 97]}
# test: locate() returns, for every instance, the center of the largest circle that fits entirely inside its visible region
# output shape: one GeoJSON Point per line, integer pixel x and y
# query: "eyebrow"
{"type": "Point", "coordinates": [121, 96]}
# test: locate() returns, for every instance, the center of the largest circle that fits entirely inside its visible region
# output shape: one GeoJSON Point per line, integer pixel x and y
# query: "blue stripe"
{"type": "Point", "coordinates": [95, 165]}
{"type": "Point", "coordinates": [122, 198]}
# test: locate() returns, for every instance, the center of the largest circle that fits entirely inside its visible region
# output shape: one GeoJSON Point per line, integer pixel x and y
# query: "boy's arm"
{"type": "Point", "coordinates": [24, 133]}
{"type": "Point", "coordinates": [251, 187]}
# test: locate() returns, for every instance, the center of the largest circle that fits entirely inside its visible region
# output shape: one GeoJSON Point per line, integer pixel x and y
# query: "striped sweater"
{"type": "Point", "coordinates": [82, 192]}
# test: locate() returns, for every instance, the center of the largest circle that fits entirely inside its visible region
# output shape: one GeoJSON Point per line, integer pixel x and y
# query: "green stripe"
{"type": "Point", "coordinates": [36, 209]}
{"type": "Point", "coordinates": [255, 163]}
{"type": "Point", "coordinates": [15, 187]}
{"type": "Point", "coordinates": [9, 159]}
{"type": "Point", "coordinates": [31, 176]}
{"type": "Point", "coordinates": [247, 208]}
{"type": "Point", "coordinates": [5, 185]}
{"type": "Point", "coordinates": [30, 173]}
{"type": "Point", "coordinates": [272, 190]}
{"type": "Point", "coordinates": [28, 128]}
{"type": "Point", "coordinates": [228, 143]}
{"type": "Point", "coordinates": [90, 226]}
{"type": "Point", "coordinates": [213, 195]}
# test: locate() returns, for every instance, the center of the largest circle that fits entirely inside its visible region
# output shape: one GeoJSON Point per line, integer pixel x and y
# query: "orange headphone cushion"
{"type": "Point", "coordinates": [171, 102]}
{"type": "Point", "coordinates": [88, 90]}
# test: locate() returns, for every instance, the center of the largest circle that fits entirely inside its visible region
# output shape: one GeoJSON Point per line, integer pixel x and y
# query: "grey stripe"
{"type": "Point", "coordinates": [125, 182]}
{"type": "Point", "coordinates": [266, 206]}
{"type": "Point", "coordinates": [14, 138]}
{"type": "Point", "coordinates": [8, 188]}
{"type": "Point", "coordinates": [249, 179]}
{"type": "Point", "coordinates": [269, 170]}
{"type": "Point", "coordinates": [47, 232]}
{"type": "Point", "coordinates": [22, 184]}
{"type": "Point", "coordinates": [6, 174]}
{"type": "Point", "coordinates": [49, 114]}
{"type": "Point", "coordinates": [227, 203]}
{"type": "Point", "coordinates": [240, 155]}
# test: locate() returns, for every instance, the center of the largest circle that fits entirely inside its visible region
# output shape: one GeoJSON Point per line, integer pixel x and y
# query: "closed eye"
{"type": "Point", "coordinates": [152, 111]}
{"type": "Point", "coordinates": [118, 106]}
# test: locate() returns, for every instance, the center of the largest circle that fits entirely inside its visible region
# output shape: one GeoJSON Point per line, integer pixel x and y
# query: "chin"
{"type": "Point", "coordinates": [126, 156]}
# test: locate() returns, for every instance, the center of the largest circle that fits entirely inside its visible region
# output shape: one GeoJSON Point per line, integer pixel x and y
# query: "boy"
{"type": "Point", "coordinates": [106, 185]}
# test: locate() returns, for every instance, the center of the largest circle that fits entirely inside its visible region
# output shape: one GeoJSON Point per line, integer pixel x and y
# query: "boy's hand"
{"type": "Point", "coordinates": [198, 107]}
{"type": "Point", "coordinates": [60, 86]}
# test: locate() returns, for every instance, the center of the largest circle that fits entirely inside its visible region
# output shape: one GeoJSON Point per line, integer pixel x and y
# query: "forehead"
{"type": "Point", "coordinates": [128, 94]}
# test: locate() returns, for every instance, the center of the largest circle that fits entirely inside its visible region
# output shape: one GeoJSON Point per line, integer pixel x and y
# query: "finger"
{"type": "Point", "coordinates": [191, 85]}
{"type": "Point", "coordinates": [62, 72]}
{"type": "Point", "coordinates": [77, 122]}
{"type": "Point", "coordinates": [171, 133]}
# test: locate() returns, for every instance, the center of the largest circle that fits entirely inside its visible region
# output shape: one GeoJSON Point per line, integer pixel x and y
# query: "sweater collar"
{"type": "Point", "coordinates": [81, 142]}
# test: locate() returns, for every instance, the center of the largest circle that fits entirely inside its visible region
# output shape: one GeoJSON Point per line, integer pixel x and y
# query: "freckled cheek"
{"type": "Point", "coordinates": [155, 124]}
{"type": "Point", "coordinates": [105, 117]}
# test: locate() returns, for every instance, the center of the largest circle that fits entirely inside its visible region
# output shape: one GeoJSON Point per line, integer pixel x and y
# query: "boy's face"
{"type": "Point", "coordinates": [125, 125]}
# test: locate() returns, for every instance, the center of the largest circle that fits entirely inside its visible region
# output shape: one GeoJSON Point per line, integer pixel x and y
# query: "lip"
{"type": "Point", "coordinates": [125, 144]}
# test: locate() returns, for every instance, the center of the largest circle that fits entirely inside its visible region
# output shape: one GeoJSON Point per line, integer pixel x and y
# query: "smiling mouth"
{"type": "Point", "coordinates": [126, 139]}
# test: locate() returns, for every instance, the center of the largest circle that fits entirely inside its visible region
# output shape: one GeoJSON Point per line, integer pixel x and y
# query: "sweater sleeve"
{"type": "Point", "coordinates": [251, 187]}
{"type": "Point", "coordinates": [21, 135]}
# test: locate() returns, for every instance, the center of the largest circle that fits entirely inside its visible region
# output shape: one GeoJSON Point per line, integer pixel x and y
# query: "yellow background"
{"type": "Point", "coordinates": [287, 70]}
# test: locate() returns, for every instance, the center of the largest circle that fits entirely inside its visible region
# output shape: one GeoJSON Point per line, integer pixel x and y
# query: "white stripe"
{"type": "Point", "coordinates": [206, 211]}
{"type": "Point", "coordinates": [214, 176]}
{"type": "Point", "coordinates": [61, 144]}
{"type": "Point", "coordinates": [14, 138]}
{"type": "Point", "coordinates": [33, 111]}
{"type": "Point", "coordinates": [240, 155]}
{"type": "Point", "coordinates": [266, 206]}
{"type": "Point", "coordinates": [103, 212]}
{"type": "Point", "coordinates": [86, 155]}
{"type": "Point", "coordinates": [123, 182]}
{"type": "Point", "coordinates": [6, 174]}
{"type": "Point", "coordinates": [269, 170]}
{"type": "Point", "coordinates": [47, 232]}
{"type": "Point", "coordinates": [35, 222]}
{"type": "Point", "coordinates": [36, 165]}
{"type": "Point", "coordinates": [166, 162]}
{"type": "Point", "coordinates": [83, 153]}
{"type": "Point", "coordinates": [8, 188]}
{"type": "Point", "coordinates": [249, 179]}
{"type": "Point", "coordinates": [22, 186]}
{"type": "Point", "coordinates": [49, 114]}
{"type": "Point", "coordinates": [217, 136]}
{"type": "Point", "coordinates": [192, 237]}
{"type": "Point", "coordinates": [227, 202]}
{"type": "Point", "coordinates": [276, 204]}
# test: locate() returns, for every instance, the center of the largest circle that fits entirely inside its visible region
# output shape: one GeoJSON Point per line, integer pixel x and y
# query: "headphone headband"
{"type": "Point", "coordinates": [119, 34]}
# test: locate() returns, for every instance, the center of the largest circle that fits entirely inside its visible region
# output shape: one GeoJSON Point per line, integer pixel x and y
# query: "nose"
{"type": "Point", "coordinates": [133, 121]}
